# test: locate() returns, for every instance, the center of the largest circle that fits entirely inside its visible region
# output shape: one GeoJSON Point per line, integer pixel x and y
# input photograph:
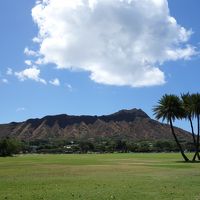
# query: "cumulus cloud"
{"type": "Point", "coordinates": [32, 73]}
{"type": "Point", "coordinates": [55, 82]}
{"type": "Point", "coordinates": [120, 42]}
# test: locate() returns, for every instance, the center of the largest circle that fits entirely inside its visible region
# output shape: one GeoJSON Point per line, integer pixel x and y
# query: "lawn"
{"type": "Point", "coordinates": [99, 177]}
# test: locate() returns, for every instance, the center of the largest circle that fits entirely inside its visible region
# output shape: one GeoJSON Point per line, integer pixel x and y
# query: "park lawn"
{"type": "Point", "coordinates": [99, 177]}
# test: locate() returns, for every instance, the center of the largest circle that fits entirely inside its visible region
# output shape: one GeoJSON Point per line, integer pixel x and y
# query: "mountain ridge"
{"type": "Point", "coordinates": [132, 124]}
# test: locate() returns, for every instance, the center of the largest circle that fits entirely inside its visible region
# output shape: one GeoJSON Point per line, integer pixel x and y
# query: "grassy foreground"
{"type": "Point", "coordinates": [99, 177]}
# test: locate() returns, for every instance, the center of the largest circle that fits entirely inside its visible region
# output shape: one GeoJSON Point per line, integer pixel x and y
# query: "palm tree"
{"type": "Point", "coordinates": [170, 108]}
{"type": "Point", "coordinates": [188, 105]}
{"type": "Point", "coordinates": [196, 112]}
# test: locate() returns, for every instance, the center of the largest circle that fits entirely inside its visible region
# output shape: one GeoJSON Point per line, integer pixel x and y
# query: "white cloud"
{"type": "Point", "coordinates": [55, 82]}
{"type": "Point", "coordinates": [120, 42]}
{"type": "Point", "coordinates": [32, 73]}
{"type": "Point", "coordinates": [9, 71]}
{"type": "Point", "coordinates": [39, 61]}
{"type": "Point", "coordinates": [20, 109]}
{"type": "Point", "coordinates": [28, 62]}
{"type": "Point", "coordinates": [69, 87]}
{"type": "Point", "coordinates": [4, 80]}
{"type": "Point", "coordinates": [30, 52]}
{"type": "Point", "coordinates": [36, 40]}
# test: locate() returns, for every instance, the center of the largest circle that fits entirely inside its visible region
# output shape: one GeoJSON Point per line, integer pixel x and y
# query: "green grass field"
{"type": "Point", "coordinates": [99, 177]}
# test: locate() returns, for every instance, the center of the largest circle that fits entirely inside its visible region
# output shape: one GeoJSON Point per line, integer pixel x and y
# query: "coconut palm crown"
{"type": "Point", "coordinates": [169, 108]}
{"type": "Point", "coordinates": [188, 105]}
{"type": "Point", "coordinates": [196, 104]}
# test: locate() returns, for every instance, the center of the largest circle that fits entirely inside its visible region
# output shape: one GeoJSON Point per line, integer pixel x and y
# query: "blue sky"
{"type": "Point", "coordinates": [88, 91]}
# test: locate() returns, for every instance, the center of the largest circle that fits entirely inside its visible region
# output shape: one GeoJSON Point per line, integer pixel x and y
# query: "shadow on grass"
{"type": "Point", "coordinates": [190, 161]}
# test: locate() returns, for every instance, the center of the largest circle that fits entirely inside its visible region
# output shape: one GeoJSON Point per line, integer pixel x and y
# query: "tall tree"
{"type": "Point", "coordinates": [9, 146]}
{"type": "Point", "coordinates": [196, 112]}
{"type": "Point", "coordinates": [188, 105]}
{"type": "Point", "coordinates": [170, 108]}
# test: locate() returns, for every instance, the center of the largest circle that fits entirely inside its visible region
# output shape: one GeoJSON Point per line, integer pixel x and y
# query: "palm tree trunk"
{"type": "Point", "coordinates": [177, 142]}
{"type": "Point", "coordinates": [194, 139]}
{"type": "Point", "coordinates": [198, 135]}
{"type": "Point", "coordinates": [192, 128]}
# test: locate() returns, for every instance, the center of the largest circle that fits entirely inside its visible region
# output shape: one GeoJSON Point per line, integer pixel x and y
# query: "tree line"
{"type": "Point", "coordinates": [9, 146]}
{"type": "Point", "coordinates": [105, 146]}
{"type": "Point", "coordinates": [187, 106]}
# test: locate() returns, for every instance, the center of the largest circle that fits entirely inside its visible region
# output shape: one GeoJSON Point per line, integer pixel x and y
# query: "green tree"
{"type": "Point", "coordinates": [170, 108]}
{"type": "Point", "coordinates": [8, 147]}
{"type": "Point", "coordinates": [188, 105]}
{"type": "Point", "coordinates": [196, 113]}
